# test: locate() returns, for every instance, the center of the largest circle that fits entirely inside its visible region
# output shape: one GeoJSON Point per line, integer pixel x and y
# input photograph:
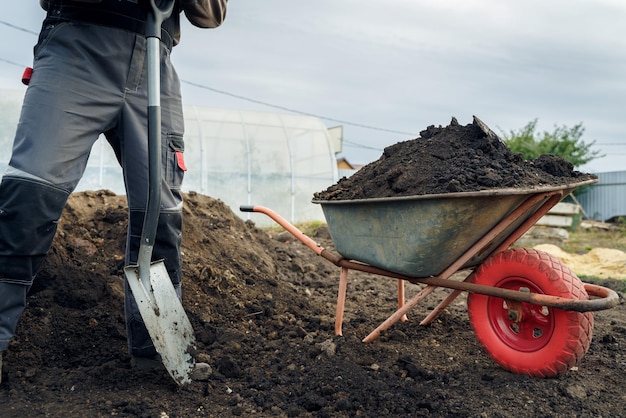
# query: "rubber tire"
{"type": "Point", "coordinates": [569, 333]}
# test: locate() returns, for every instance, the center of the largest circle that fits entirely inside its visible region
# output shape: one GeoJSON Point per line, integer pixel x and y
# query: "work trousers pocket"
{"type": "Point", "coordinates": [175, 164]}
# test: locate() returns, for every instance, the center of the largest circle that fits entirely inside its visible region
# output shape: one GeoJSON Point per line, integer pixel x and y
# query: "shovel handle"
{"type": "Point", "coordinates": [156, 16]}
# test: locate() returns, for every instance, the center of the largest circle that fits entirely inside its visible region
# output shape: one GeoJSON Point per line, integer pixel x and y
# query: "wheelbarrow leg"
{"type": "Point", "coordinates": [439, 308]}
{"type": "Point", "coordinates": [341, 300]}
{"type": "Point", "coordinates": [444, 304]}
{"type": "Point", "coordinates": [401, 298]}
{"type": "Point", "coordinates": [400, 313]}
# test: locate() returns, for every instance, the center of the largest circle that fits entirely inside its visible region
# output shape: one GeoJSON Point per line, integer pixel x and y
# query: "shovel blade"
{"type": "Point", "coordinates": [165, 319]}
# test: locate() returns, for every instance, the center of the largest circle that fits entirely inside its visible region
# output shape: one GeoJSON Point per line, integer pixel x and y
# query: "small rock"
{"type": "Point", "coordinates": [576, 391]}
{"type": "Point", "coordinates": [328, 347]}
{"type": "Point", "coordinates": [201, 372]}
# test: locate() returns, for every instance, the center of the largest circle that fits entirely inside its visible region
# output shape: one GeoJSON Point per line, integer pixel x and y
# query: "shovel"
{"type": "Point", "coordinates": [159, 305]}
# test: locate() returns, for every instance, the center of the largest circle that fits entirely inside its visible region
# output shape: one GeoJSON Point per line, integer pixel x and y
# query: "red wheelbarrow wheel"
{"type": "Point", "coordinates": [533, 340]}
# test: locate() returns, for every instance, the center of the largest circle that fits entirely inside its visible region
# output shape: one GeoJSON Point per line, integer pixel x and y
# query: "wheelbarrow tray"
{"type": "Point", "coordinates": [419, 236]}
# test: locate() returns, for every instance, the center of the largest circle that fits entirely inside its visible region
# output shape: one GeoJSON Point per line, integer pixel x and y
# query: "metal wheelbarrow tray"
{"type": "Point", "coordinates": [529, 311]}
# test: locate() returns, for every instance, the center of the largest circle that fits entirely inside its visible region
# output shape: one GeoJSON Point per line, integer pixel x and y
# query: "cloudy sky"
{"type": "Point", "coordinates": [386, 70]}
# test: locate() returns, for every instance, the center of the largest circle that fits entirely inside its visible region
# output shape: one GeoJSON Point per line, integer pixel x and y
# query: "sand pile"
{"type": "Point", "coordinates": [599, 262]}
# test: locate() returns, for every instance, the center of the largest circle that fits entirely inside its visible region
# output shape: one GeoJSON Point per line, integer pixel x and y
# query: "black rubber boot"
{"type": "Point", "coordinates": [12, 304]}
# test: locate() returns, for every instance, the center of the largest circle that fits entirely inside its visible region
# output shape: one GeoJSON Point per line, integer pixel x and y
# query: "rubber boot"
{"type": "Point", "coordinates": [12, 304]}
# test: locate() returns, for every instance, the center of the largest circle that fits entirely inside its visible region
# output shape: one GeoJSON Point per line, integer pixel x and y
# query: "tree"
{"type": "Point", "coordinates": [564, 142]}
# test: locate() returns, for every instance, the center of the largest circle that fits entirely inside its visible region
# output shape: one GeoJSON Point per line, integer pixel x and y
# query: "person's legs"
{"type": "Point", "coordinates": [66, 106]}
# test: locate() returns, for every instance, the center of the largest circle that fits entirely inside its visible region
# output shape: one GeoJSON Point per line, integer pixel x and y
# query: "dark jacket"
{"type": "Point", "coordinates": [201, 13]}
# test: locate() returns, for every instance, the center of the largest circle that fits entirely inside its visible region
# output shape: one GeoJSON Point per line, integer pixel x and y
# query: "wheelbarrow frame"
{"type": "Point", "coordinates": [539, 202]}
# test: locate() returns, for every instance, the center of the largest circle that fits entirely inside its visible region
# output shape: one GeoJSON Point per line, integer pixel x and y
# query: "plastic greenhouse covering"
{"type": "Point", "coordinates": [245, 157]}
{"type": "Point", "coordinates": [240, 157]}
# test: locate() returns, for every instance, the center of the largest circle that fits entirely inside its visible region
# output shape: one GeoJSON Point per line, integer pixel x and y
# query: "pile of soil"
{"type": "Point", "coordinates": [451, 159]}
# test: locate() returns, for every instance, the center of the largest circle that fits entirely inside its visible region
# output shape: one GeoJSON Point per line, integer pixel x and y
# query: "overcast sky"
{"type": "Point", "coordinates": [386, 70]}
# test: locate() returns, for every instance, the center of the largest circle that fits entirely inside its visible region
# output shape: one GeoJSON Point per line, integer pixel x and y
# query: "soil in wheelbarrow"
{"type": "Point", "coordinates": [262, 306]}
{"type": "Point", "coordinates": [454, 158]}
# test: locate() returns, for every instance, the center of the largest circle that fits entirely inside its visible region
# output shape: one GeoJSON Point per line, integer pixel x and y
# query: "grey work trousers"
{"type": "Point", "coordinates": [87, 80]}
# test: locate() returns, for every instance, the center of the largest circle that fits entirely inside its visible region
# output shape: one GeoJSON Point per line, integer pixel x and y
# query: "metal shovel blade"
{"type": "Point", "coordinates": [165, 319]}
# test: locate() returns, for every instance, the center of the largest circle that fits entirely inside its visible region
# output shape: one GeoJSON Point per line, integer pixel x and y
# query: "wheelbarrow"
{"type": "Point", "coordinates": [529, 311]}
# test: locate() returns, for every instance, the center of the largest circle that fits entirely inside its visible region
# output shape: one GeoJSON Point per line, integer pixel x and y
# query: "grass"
{"type": "Point", "coordinates": [307, 228]}
{"type": "Point", "coordinates": [583, 240]}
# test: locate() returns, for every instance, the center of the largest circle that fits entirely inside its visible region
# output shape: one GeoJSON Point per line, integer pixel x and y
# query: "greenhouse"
{"type": "Point", "coordinates": [240, 157]}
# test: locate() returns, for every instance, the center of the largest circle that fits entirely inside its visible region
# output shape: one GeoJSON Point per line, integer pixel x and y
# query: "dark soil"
{"type": "Point", "coordinates": [450, 159]}
{"type": "Point", "coordinates": [262, 306]}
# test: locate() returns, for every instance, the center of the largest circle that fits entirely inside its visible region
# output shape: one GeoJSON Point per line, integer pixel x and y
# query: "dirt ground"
{"type": "Point", "coordinates": [263, 309]}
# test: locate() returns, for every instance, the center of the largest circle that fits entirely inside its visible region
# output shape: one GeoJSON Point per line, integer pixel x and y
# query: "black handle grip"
{"type": "Point", "coordinates": [157, 15]}
{"type": "Point", "coordinates": [246, 208]}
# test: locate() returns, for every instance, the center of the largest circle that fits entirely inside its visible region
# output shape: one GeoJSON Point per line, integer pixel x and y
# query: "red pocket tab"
{"type": "Point", "coordinates": [26, 76]}
{"type": "Point", "coordinates": [180, 160]}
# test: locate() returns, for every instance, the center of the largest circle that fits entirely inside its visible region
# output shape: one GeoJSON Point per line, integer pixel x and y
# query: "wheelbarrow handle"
{"type": "Point", "coordinates": [301, 236]}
